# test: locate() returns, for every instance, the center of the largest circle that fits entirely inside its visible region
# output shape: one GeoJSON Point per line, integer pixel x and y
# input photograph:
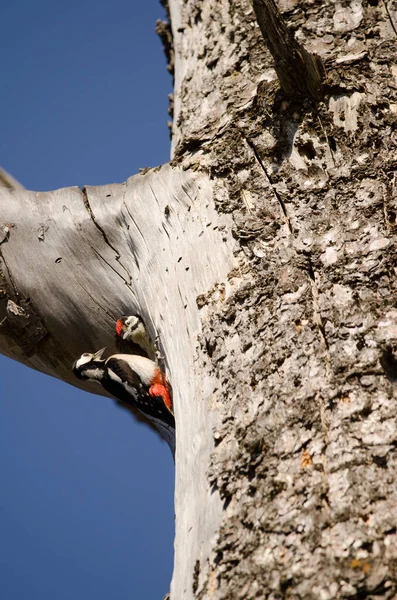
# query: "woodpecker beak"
{"type": "Point", "coordinates": [98, 355]}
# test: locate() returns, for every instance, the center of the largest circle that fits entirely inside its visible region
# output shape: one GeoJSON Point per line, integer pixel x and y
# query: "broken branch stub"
{"type": "Point", "coordinates": [299, 72]}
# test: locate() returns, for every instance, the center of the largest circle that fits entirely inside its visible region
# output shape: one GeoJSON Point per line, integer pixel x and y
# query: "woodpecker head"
{"type": "Point", "coordinates": [90, 367]}
{"type": "Point", "coordinates": [131, 327]}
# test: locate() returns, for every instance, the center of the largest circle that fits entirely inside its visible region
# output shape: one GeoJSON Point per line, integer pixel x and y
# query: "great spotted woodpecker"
{"type": "Point", "coordinates": [135, 380]}
{"type": "Point", "coordinates": [132, 329]}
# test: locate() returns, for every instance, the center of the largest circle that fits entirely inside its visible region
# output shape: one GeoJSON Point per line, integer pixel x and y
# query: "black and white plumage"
{"type": "Point", "coordinates": [136, 381]}
{"type": "Point", "coordinates": [132, 329]}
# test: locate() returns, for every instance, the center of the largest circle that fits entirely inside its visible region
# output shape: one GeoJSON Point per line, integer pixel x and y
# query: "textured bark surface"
{"type": "Point", "coordinates": [280, 342]}
{"type": "Point", "coordinates": [302, 341]}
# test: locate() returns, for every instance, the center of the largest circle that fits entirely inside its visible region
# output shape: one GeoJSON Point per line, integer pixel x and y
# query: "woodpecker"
{"type": "Point", "coordinates": [135, 380]}
{"type": "Point", "coordinates": [132, 329]}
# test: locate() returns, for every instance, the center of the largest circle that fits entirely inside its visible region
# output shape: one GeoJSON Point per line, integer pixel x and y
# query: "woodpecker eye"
{"type": "Point", "coordinates": [86, 355]}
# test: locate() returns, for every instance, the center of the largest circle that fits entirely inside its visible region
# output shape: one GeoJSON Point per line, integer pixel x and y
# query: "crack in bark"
{"type": "Point", "coordinates": [275, 192]}
{"type": "Point", "coordinates": [180, 295]}
{"type": "Point", "coordinates": [95, 301]}
{"type": "Point", "coordinates": [316, 307]}
{"type": "Point", "coordinates": [135, 223]}
{"type": "Point", "coordinates": [327, 138]}
{"type": "Point", "coordinates": [390, 18]}
{"type": "Point", "coordinates": [111, 267]}
{"type": "Point", "coordinates": [325, 430]}
{"type": "Point", "coordinates": [324, 465]}
{"type": "Point", "coordinates": [165, 229]}
{"type": "Point", "coordinates": [118, 255]}
{"type": "Point", "coordinates": [14, 287]}
{"type": "Point", "coordinates": [308, 265]}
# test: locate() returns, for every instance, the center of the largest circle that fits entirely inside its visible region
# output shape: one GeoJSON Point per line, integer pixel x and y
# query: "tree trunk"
{"type": "Point", "coordinates": [263, 257]}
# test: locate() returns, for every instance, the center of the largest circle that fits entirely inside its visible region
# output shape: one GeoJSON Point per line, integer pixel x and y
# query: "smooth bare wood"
{"type": "Point", "coordinates": [152, 245]}
{"type": "Point", "coordinates": [88, 252]}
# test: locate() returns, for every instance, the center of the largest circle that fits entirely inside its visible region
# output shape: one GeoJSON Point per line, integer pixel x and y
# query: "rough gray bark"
{"type": "Point", "coordinates": [280, 344]}
{"type": "Point", "coordinates": [302, 343]}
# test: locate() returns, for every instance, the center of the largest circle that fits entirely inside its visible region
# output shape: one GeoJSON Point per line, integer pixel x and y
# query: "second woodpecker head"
{"type": "Point", "coordinates": [90, 367]}
{"type": "Point", "coordinates": [130, 328]}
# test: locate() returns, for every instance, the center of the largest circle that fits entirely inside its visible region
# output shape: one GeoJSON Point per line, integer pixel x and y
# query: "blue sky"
{"type": "Point", "coordinates": [86, 503]}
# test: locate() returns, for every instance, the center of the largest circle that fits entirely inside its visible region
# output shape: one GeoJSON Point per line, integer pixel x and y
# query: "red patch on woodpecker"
{"type": "Point", "coordinates": [119, 327]}
{"type": "Point", "coordinates": [159, 389]}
